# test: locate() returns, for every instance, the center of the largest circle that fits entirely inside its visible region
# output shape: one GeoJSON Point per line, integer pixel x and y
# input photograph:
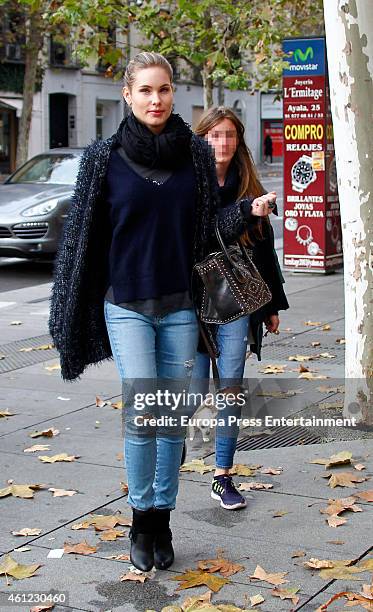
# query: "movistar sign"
{"type": "Point", "coordinates": [307, 56]}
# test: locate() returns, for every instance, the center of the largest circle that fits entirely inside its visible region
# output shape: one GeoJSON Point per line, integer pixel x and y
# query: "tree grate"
{"type": "Point", "coordinates": [13, 359]}
{"type": "Point", "coordinates": [278, 438]}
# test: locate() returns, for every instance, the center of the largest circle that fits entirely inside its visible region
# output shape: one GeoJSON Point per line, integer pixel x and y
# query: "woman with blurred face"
{"type": "Point", "coordinates": [144, 209]}
{"type": "Point", "coordinates": [238, 180]}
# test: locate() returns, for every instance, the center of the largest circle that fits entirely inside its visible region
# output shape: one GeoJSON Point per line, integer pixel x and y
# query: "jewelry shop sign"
{"type": "Point", "coordinates": [312, 229]}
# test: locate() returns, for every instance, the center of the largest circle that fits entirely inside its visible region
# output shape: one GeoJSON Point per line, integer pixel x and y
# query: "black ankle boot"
{"type": "Point", "coordinates": [163, 550]}
{"type": "Point", "coordinates": [142, 539]}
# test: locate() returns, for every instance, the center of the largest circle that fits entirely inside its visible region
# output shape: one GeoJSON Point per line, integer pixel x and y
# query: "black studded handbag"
{"type": "Point", "coordinates": [232, 285]}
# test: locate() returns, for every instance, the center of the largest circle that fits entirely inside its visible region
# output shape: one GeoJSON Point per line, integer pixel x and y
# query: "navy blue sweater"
{"type": "Point", "coordinates": [152, 231]}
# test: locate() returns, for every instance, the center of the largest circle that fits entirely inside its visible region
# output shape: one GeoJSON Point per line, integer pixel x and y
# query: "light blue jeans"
{"type": "Point", "coordinates": [152, 353]}
{"type": "Point", "coordinates": [232, 343]}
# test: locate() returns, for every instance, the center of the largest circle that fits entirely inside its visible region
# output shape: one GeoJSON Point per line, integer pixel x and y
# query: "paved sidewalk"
{"type": "Point", "coordinates": [253, 536]}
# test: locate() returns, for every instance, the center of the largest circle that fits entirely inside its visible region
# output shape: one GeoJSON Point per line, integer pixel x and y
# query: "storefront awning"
{"type": "Point", "coordinates": [12, 103]}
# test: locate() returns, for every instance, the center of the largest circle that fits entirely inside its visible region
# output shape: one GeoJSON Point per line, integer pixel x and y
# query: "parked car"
{"type": "Point", "coordinates": [34, 202]}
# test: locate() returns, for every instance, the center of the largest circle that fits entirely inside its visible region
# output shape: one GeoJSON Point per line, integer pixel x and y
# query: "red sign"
{"type": "Point", "coordinates": [311, 211]}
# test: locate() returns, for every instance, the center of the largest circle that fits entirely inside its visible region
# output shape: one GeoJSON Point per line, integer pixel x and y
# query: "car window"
{"type": "Point", "coordinates": [56, 169]}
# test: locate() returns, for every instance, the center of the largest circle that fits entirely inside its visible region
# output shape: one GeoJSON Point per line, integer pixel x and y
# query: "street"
{"type": "Point", "coordinates": [19, 273]}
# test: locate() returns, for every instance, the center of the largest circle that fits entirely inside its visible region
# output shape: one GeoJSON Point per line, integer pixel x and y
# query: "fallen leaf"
{"type": "Point", "coordinates": [318, 564]}
{"type": "Point", "coordinates": [354, 599]}
{"type": "Point", "coordinates": [112, 534]}
{"type": "Point", "coordinates": [193, 578]}
{"type": "Point", "coordinates": [278, 394]}
{"type": "Point", "coordinates": [297, 554]}
{"type": "Point", "coordinates": [336, 521]}
{"type": "Point", "coordinates": [327, 356]}
{"type": "Point", "coordinates": [119, 456]}
{"type": "Point", "coordinates": [256, 599]}
{"type": "Point", "coordinates": [101, 522]}
{"type": "Point", "coordinates": [261, 574]}
{"type": "Point", "coordinates": [280, 513]}
{"type": "Point", "coordinates": [289, 593]}
{"type": "Point", "coordinates": [326, 389]}
{"type": "Point", "coordinates": [310, 376]}
{"type": "Point", "coordinates": [273, 369]}
{"type": "Point", "coordinates": [359, 467]}
{"type": "Point", "coordinates": [301, 357]}
{"type": "Point", "coordinates": [52, 368]}
{"type": "Point", "coordinates": [100, 403]}
{"type": "Point", "coordinates": [48, 433]}
{"type": "Point", "coordinates": [124, 487]}
{"type": "Point", "coordinates": [116, 405]}
{"type": "Point", "coordinates": [25, 491]}
{"type": "Point", "coordinates": [15, 323]}
{"type": "Point", "coordinates": [312, 323]}
{"type": "Point", "coordinates": [80, 548]}
{"type": "Point", "coordinates": [19, 571]}
{"type": "Point", "coordinates": [336, 542]}
{"type": "Point", "coordinates": [37, 447]}
{"type": "Point", "coordinates": [62, 492]}
{"type": "Point", "coordinates": [331, 405]}
{"type": "Point", "coordinates": [5, 413]}
{"type": "Point", "coordinates": [222, 566]}
{"type": "Point", "coordinates": [345, 479]}
{"type": "Point", "coordinates": [341, 341]}
{"type": "Point", "coordinates": [132, 576]}
{"type": "Point", "coordinates": [250, 486]}
{"type": "Point", "coordinates": [27, 531]}
{"type": "Point", "coordinates": [326, 327]}
{"type": "Point", "coordinates": [192, 603]}
{"type": "Point", "coordinates": [59, 457]}
{"type": "Point", "coordinates": [197, 465]}
{"type": "Point", "coordinates": [314, 344]}
{"type": "Point", "coordinates": [23, 549]}
{"type": "Point", "coordinates": [365, 495]}
{"type": "Point", "coordinates": [42, 608]}
{"type": "Point", "coordinates": [121, 557]}
{"type": "Point", "coordinates": [341, 458]}
{"type": "Point", "coordinates": [239, 469]}
{"type": "Point", "coordinates": [272, 470]}
{"type": "Point", "coordinates": [340, 573]}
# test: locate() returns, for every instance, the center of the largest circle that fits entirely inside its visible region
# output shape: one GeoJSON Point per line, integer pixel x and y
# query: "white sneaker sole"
{"type": "Point", "coordinates": [239, 505]}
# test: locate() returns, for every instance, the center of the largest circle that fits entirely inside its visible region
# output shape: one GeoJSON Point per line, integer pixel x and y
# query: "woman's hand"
{"type": "Point", "coordinates": [261, 206]}
{"type": "Point", "coordinates": [272, 323]}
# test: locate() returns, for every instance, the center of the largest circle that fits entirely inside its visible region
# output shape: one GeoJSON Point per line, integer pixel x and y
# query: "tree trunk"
{"type": "Point", "coordinates": [34, 42]}
{"type": "Point", "coordinates": [349, 37]}
{"type": "Point", "coordinates": [207, 89]}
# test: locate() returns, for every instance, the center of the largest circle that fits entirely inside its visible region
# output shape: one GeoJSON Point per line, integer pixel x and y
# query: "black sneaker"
{"type": "Point", "coordinates": [223, 490]}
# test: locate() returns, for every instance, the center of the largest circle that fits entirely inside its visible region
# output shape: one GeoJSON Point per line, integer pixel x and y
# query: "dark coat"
{"type": "Point", "coordinates": [77, 323]}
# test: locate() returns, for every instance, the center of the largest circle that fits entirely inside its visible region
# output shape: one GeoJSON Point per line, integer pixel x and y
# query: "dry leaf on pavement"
{"type": "Point", "coordinates": [240, 469]}
{"type": "Point", "coordinates": [336, 521]}
{"type": "Point", "coordinates": [121, 557]}
{"type": "Point", "coordinates": [256, 599]}
{"type": "Point", "coordinates": [318, 564]}
{"type": "Point", "coordinates": [222, 566]}
{"type": "Point", "coordinates": [289, 593]}
{"type": "Point", "coordinates": [253, 486]}
{"type": "Point", "coordinates": [124, 487]}
{"type": "Point", "coordinates": [80, 548]}
{"type": "Point", "coordinates": [19, 571]}
{"type": "Point", "coordinates": [280, 513]}
{"type": "Point", "coordinates": [359, 466]}
{"type": "Point", "coordinates": [279, 394]}
{"type": "Point", "coordinates": [48, 433]}
{"type": "Point", "coordinates": [341, 458]}
{"type": "Point", "coordinates": [6, 413]}
{"type": "Point", "coordinates": [26, 491]}
{"type": "Point", "coordinates": [312, 323]}
{"type": "Point", "coordinates": [62, 492]}
{"type": "Point", "coordinates": [298, 553]}
{"type": "Point", "coordinates": [331, 405]}
{"type": "Point", "coordinates": [271, 470]}
{"type": "Point", "coordinates": [301, 357]}
{"type": "Point", "coordinates": [192, 603]}
{"type": "Point", "coordinates": [37, 447]}
{"type": "Point", "coordinates": [112, 534]}
{"type": "Point", "coordinates": [197, 465]}
{"type": "Point", "coordinates": [132, 576]}
{"type": "Point", "coordinates": [273, 369]}
{"type": "Point", "coordinates": [365, 495]}
{"type": "Point", "coordinates": [192, 578]}
{"type": "Point", "coordinates": [326, 327]}
{"type": "Point", "coordinates": [42, 607]}
{"type": "Point", "coordinates": [365, 599]}
{"type": "Point", "coordinates": [336, 507]}
{"type": "Point", "coordinates": [59, 457]}
{"type": "Point", "coordinates": [344, 479]}
{"type": "Point", "coordinates": [27, 531]}
{"type": "Point", "coordinates": [101, 522]}
{"type": "Point", "coordinates": [310, 376]}
{"type": "Point", "coordinates": [326, 389]}
{"type": "Point", "coordinates": [274, 578]}
{"type": "Point", "coordinates": [52, 368]}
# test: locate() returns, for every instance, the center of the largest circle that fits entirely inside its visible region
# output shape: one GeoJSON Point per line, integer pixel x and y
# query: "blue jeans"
{"type": "Point", "coordinates": [232, 344]}
{"type": "Point", "coordinates": [147, 350]}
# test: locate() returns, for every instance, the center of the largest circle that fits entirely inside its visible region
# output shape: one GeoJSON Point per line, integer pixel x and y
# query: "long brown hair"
{"type": "Point", "coordinates": [250, 185]}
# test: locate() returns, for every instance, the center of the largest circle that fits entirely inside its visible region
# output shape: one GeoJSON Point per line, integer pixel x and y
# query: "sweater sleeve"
{"type": "Point", "coordinates": [68, 247]}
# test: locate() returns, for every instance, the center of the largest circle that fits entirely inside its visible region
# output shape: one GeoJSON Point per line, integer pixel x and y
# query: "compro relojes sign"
{"type": "Point", "coordinates": [312, 229]}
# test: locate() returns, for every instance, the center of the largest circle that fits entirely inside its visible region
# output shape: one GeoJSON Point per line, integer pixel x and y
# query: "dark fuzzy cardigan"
{"type": "Point", "coordinates": [77, 323]}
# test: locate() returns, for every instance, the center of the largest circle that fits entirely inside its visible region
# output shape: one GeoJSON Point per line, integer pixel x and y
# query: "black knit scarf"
{"type": "Point", "coordinates": [169, 149]}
